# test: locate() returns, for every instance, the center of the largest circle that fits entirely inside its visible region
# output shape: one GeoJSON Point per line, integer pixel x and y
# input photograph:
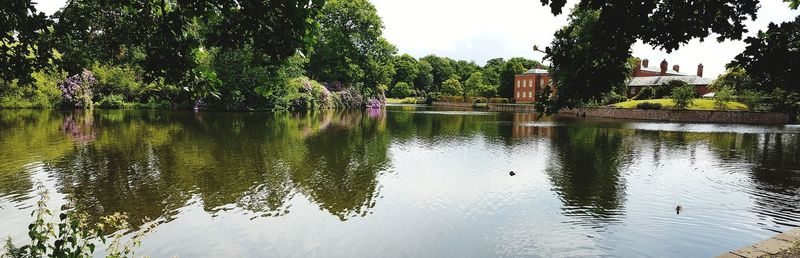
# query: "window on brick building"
{"type": "Point", "coordinates": [517, 92]}
{"type": "Point", "coordinates": [517, 83]}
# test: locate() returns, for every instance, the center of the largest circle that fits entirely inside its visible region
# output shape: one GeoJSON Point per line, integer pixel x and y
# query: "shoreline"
{"type": "Point", "coordinates": [661, 115]}
{"type": "Point", "coordinates": [767, 248]}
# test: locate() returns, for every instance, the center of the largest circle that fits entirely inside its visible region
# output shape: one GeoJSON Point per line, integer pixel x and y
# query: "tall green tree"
{"type": "Point", "coordinates": [581, 71]}
{"type": "Point", "coordinates": [424, 80]}
{"type": "Point", "coordinates": [350, 47]}
{"type": "Point", "coordinates": [406, 69]}
{"type": "Point", "coordinates": [492, 70]}
{"type": "Point", "coordinates": [443, 69]}
{"type": "Point", "coordinates": [473, 85]}
{"type": "Point", "coordinates": [452, 87]}
{"type": "Point", "coordinates": [464, 69]}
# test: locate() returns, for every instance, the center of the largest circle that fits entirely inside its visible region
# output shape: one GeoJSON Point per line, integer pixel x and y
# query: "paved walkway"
{"type": "Point", "coordinates": [770, 246]}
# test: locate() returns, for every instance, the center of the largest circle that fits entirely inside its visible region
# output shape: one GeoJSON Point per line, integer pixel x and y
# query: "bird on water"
{"type": "Point", "coordinates": [511, 173]}
{"type": "Point", "coordinates": [678, 209]}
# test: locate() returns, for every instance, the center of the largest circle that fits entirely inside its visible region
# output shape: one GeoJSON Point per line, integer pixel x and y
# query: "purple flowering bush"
{"type": "Point", "coordinates": [77, 90]}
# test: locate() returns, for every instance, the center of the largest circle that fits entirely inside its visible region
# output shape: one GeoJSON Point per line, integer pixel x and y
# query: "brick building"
{"type": "Point", "coordinates": [646, 76]}
{"type": "Point", "coordinates": [526, 84]}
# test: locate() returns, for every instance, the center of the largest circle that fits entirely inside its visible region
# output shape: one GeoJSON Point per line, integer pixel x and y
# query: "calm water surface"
{"type": "Point", "coordinates": [405, 182]}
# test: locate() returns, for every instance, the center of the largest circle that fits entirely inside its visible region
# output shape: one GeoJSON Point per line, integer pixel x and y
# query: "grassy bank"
{"type": "Point", "coordinates": [697, 104]}
{"type": "Point", "coordinates": [408, 100]}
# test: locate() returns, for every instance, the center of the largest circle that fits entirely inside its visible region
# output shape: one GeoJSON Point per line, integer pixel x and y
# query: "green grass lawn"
{"type": "Point", "coordinates": [408, 100]}
{"type": "Point", "coordinates": [697, 104]}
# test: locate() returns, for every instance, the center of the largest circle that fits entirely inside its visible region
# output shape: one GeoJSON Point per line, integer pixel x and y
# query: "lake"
{"type": "Point", "coordinates": [405, 181]}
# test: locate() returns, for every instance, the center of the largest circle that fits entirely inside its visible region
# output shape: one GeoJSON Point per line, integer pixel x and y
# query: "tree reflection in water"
{"type": "Point", "coordinates": [150, 165]}
{"type": "Point", "coordinates": [585, 172]}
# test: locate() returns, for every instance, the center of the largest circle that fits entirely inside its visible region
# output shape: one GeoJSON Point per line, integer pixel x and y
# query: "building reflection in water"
{"type": "Point", "coordinates": [526, 125]}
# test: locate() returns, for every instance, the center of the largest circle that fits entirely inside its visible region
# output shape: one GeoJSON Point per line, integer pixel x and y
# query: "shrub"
{"type": "Point", "coordinates": [648, 105]}
{"type": "Point", "coordinates": [452, 99]}
{"type": "Point", "coordinates": [117, 80]}
{"type": "Point", "coordinates": [723, 95]}
{"type": "Point", "coordinates": [664, 90]}
{"type": "Point", "coordinates": [77, 90]}
{"type": "Point", "coordinates": [304, 93]}
{"type": "Point", "coordinates": [751, 98]}
{"type": "Point", "coordinates": [683, 95]}
{"type": "Point", "coordinates": [611, 98]}
{"type": "Point", "coordinates": [498, 100]}
{"type": "Point", "coordinates": [433, 96]}
{"type": "Point", "coordinates": [452, 87]}
{"type": "Point", "coordinates": [348, 97]}
{"type": "Point", "coordinates": [783, 100]}
{"type": "Point", "coordinates": [646, 93]}
{"type": "Point", "coordinates": [477, 100]}
{"type": "Point", "coordinates": [485, 90]}
{"type": "Point", "coordinates": [402, 90]}
{"type": "Point", "coordinates": [43, 93]}
{"type": "Point", "coordinates": [112, 101]}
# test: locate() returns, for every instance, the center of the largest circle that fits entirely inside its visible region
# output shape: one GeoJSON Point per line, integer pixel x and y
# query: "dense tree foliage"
{"type": "Point", "coordinates": [735, 78]}
{"type": "Point", "coordinates": [350, 47]}
{"type": "Point", "coordinates": [424, 80]}
{"type": "Point", "coordinates": [443, 69]}
{"type": "Point", "coordinates": [771, 59]}
{"type": "Point", "coordinates": [21, 27]}
{"type": "Point", "coordinates": [406, 69]}
{"type": "Point", "coordinates": [452, 87]}
{"type": "Point", "coordinates": [168, 44]}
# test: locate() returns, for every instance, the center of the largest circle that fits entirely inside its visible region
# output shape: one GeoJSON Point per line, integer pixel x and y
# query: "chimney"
{"type": "Point", "coordinates": [645, 63]}
{"type": "Point", "coordinates": [676, 68]}
{"type": "Point", "coordinates": [700, 70]}
{"type": "Point", "coordinates": [664, 67]}
{"type": "Point", "coordinates": [639, 66]}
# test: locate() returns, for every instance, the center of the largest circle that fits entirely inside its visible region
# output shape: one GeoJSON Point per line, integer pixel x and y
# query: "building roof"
{"type": "Point", "coordinates": [654, 69]}
{"type": "Point", "coordinates": [659, 80]}
{"type": "Point", "coordinates": [536, 71]}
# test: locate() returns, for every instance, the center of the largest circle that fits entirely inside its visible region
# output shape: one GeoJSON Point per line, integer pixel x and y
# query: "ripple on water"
{"type": "Point", "coordinates": [713, 128]}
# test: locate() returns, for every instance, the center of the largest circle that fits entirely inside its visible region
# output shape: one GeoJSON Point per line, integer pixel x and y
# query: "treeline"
{"type": "Point", "coordinates": [229, 55]}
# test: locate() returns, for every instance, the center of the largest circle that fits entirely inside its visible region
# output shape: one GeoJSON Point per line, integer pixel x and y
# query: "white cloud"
{"type": "Point", "coordinates": [49, 6]}
{"type": "Point", "coordinates": [480, 30]}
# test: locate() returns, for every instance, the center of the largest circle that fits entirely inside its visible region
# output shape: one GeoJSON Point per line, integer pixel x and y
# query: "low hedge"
{"type": "Point", "coordinates": [649, 105]}
{"type": "Point", "coordinates": [499, 100]}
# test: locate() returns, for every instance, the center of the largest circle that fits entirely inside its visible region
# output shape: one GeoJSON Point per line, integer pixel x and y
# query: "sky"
{"type": "Point", "coordinates": [480, 30]}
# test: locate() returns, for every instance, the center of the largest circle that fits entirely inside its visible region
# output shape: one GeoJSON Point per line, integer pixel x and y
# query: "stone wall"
{"type": "Point", "coordinates": [690, 116]}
